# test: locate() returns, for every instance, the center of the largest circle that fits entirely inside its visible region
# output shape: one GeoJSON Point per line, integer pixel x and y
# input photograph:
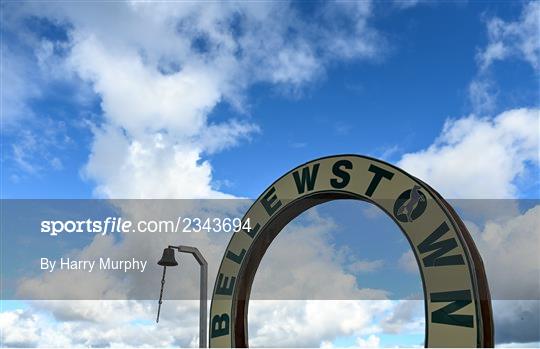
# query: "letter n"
{"type": "Point", "coordinates": [445, 315]}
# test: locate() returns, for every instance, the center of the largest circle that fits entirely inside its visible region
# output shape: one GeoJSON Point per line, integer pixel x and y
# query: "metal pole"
{"type": "Point", "coordinates": [203, 321]}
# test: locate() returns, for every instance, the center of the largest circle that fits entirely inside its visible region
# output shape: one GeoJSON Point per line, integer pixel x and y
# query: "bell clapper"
{"type": "Point", "coordinates": [161, 293]}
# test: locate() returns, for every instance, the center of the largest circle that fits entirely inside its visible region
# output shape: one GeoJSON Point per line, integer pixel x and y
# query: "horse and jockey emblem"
{"type": "Point", "coordinates": [410, 205]}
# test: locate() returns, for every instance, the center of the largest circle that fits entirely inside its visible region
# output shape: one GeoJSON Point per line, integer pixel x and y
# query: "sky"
{"type": "Point", "coordinates": [186, 100]}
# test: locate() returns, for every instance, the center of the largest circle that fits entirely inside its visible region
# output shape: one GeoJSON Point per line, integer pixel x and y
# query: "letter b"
{"type": "Point", "coordinates": [220, 325]}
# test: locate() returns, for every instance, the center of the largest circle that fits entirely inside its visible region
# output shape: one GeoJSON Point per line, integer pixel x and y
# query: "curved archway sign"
{"type": "Point", "coordinates": [456, 294]}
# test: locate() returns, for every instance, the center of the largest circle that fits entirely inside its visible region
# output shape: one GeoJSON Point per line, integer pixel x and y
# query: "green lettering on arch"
{"type": "Point", "coordinates": [306, 181]}
{"type": "Point", "coordinates": [445, 315]}
{"type": "Point", "coordinates": [236, 258]}
{"type": "Point", "coordinates": [220, 325]}
{"type": "Point", "coordinates": [380, 173]}
{"type": "Point", "coordinates": [223, 286]}
{"type": "Point", "coordinates": [270, 202]}
{"type": "Point", "coordinates": [440, 248]}
{"type": "Point", "coordinates": [344, 176]}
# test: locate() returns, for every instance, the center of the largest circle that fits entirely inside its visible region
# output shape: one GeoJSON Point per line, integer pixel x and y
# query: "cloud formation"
{"type": "Point", "coordinates": [507, 40]}
{"type": "Point", "coordinates": [512, 242]}
{"type": "Point", "coordinates": [513, 39]}
{"type": "Point", "coordinates": [479, 158]}
{"type": "Point", "coordinates": [300, 324]}
{"type": "Point", "coordinates": [159, 82]}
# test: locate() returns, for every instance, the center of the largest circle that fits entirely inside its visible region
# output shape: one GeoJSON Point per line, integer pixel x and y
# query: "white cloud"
{"type": "Point", "coordinates": [372, 341]}
{"type": "Point", "coordinates": [512, 243]}
{"type": "Point", "coordinates": [518, 39]}
{"type": "Point", "coordinates": [363, 266]}
{"type": "Point", "coordinates": [482, 95]}
{"type": "Point", "coordinates": [156, 130]}
{"type": "Point", "coordinates": [407, 316]}
{"type": "Point", "coordinates": [311, 323]}
{"type": "Point", "coordinates": [19, 328]}
{"type": "Point", "coordinates": [151, 166]}
{"type": "Point", "coordinates": [479, 157]}
{"type": "Point", "coordinates": [302, 272]}
{"type": "Point", "coordinates": [34, 152]}
{"type": "Point", "coordinates": [35, 328]}
{"type": "Point", "coordinates": [506, 40]}
{"type": "Point", "coordinates": [160, 69]}
{"type": "Point", "coordinates": [408, 263]}
{"type": "Point", "coordinates": [272, 323]}
{"type": "Point", "coordinates": [519, 345]}
{"type": "Point", "coordinates": [22, 88]}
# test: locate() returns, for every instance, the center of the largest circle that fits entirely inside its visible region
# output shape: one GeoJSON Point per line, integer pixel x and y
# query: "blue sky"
{"type": "Point", "coordinates": [394, 104]}
{"type": "Point", "coordinates": [182, 100]}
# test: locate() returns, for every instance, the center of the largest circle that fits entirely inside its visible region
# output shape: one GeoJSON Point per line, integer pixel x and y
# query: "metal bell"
{"type": "Point", "coordinates": [167, 259]}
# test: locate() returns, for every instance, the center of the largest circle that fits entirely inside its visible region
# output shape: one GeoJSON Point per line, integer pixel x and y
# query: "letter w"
{"type": "Point", "coordinates": [440, 248]}
{"type": "Point", "coordinates": [306, 180]}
